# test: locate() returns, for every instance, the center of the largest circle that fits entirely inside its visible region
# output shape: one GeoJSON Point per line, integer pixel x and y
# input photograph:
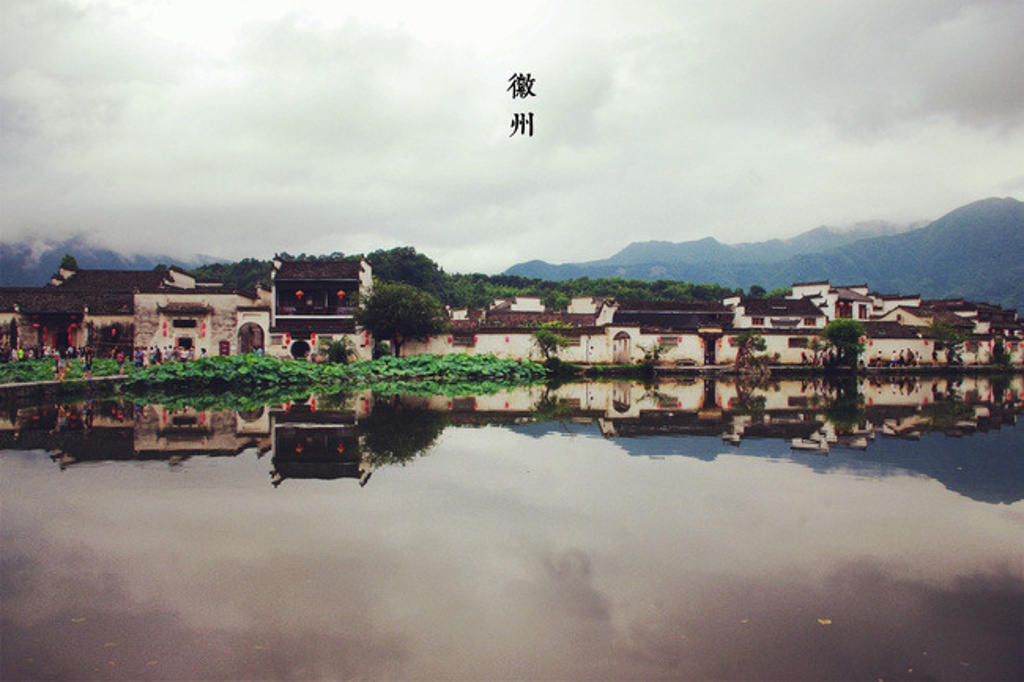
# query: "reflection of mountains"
{"type": "Point", "coordinates": [869, 427]}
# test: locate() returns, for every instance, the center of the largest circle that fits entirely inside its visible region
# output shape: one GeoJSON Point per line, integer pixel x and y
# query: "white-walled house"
{"type": "Point", "coordinates": [783, 313]}
{"type": "Point", "coordinates": [845, 302]}
{"type": "Point", "coordinates": [316, 301]}
{"type": "Point", "coordinates": [119, 310]}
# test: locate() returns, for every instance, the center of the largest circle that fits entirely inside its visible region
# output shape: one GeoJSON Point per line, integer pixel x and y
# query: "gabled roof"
{"type": "Point", "coordinates": [780, 307]}
{"type": "Point", "coordinates": [673, 306]}
{"type": "Point", "coordinates": [944, 316]}
{"type": "Point", "coordinates": [331, 325]}
{"type": "Point", "coordinates": [43, 300]}
{"type": "Point", "coordinates": [897, 297]}
{"type": "Point", "coordinates": [498, 316]}
{"type": "Point", "coordinates": [889, 330]}
{"type": "Point", "coordinates": [114, 281]}
{"type": "Point", "coordinates": [312, 269]}
{"type": "Point", "coordinates": [671, 320]}
{"type": "Point", "coordinates": [851, 295]}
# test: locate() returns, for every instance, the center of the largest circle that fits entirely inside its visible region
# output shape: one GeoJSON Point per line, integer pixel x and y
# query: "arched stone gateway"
{"type": "Point", "coordinates": [300, 349]}
{"type": "Point", "coordinates": [250, 337]}
{"type": "Point", "coordinates": [622, 350]}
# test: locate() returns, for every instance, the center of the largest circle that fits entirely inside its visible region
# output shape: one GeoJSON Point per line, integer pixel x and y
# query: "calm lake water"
{"type": "Point", "coordinates": [594, 531]}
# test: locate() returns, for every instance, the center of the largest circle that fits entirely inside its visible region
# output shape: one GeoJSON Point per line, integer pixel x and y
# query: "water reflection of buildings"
{"type": "Point", "coordinates": [318, 444]}
{"type": "Point", "coordinates": [304, 442]}
{"type": "Point", "coordinates": [118, 431]}
{"type": "Point", "coordinates": [330, 440]}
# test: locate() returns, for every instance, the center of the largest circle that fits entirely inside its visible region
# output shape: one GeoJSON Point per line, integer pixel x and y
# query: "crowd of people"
{"type": "Point", "coordinates": [63, 358]}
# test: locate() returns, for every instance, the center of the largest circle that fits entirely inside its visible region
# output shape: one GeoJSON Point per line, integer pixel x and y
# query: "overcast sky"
{"type": "Point", "coordinates": [235, 128]}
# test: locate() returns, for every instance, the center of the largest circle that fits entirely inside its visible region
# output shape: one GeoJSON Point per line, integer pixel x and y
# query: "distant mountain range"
{"type": "Point", "coordinates": [976, 251]}
{"type": "Point", "coordinates": [31, 264]}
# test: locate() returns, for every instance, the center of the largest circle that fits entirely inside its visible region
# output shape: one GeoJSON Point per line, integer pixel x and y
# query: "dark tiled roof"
{"type": "Point", "coordinates": [673, 306]}
{"type": "Point", "coordinates": [185, 309]}
{"type": "Point", "coordinates": [889, 330]}
{"type": "Point", "coordinates": [57, 300]}
{"type": "Point", "coordinates": [572, 333]}
{"type": "Point", "coordinates": [335, 325]}
{"type": "Point", "coordinates": [897, 297]}
{"type": "Point", "coordinates": [851, 295]}
{"type": "Point", "coordinates": [524, 319]}
{"type": "Point", "coordinates": [309, 269]}
{"type": "Point", "coordinates": [944, 316]}
{"type": "Point", "coordinates": [780, 307]}
{"type": "Point", "coordinates": [672, 320]}
{"type": "Point", "coordinates": [115, 281]}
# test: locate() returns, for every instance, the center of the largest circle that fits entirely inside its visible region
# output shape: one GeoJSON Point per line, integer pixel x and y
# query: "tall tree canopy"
{"type": "Point", "coordinates": [398, 312]}
{"type": "Point", "coordinates": [404, 264]}
{"type": "Point", "coordinates": [845, 336]}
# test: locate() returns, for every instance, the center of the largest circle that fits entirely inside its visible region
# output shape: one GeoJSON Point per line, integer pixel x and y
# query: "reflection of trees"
{"type": "Point", "coordinates": [746, 402]}
{"type": "Point", "coordinates": [394, 432]}
{"type": "Point", "coordinates": [846, 409]}
{"type": "Point", "coordinates": [550, 407]}
{"type": "Point", "coordinates": [945, 413]}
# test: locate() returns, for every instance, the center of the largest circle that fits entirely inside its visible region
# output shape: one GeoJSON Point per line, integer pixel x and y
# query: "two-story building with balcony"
{"type": "Point", "coordinates": [316, 302]}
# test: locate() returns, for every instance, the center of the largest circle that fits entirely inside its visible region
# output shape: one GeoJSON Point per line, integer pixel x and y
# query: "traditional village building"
{"type": "Point", "coordinates": [775, 314]}
{"type": "Point", "coordinates": [845, 302]}
{"type": "Point", "coordinates": [888, 343]}
{"type": "Point", "coordinates": [683, 332]}
{"type": "Point", "coordinates": [115, 311]}
{"type": "Point", "coordinates": [886, 302]}
{"type": "Point", "coordinates": [316, 302]}
{"type": "Point", "coordinates": [602, 308]}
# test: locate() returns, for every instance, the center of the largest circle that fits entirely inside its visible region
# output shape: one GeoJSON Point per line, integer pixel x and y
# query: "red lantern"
{"type": "Point", "coordinates": [300, 293]}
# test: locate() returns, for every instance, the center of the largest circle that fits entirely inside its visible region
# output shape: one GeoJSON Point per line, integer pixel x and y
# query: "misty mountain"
{"type": "Point", "coordinates": [710, 250]}
{"type": "Point", "coordinates": [976, 251]}
{"type": "Point", "coordinates": [28, 263]}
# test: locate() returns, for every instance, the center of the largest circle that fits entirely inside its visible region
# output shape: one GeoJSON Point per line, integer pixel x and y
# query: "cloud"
{"type": "Point", "coordinates": [323, 126]}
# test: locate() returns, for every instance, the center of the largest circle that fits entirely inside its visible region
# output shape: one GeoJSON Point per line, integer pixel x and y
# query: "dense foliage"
{"type": "Point", "coordinates": [45, 370]}
{"type": "Point", "coordinates": [549, 340]}
{"type": "Point", "coordinates": [260, 379]}
{"type": "Point", "coordinates": [400, 311]}
{"type": "Point", "coordinates": [846, 339]}
{"type": "Point", "coordinates": [404, 264]}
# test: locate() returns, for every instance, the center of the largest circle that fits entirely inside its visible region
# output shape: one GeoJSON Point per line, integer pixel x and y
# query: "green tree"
{"type": "Point", "coordinates": [845, 337]}
{"type": "Point", "coordinates": [747, 343]}
{"type": "Point", "coordinates": [398, 312]}
{"type": "Point", "coordinates": [756, 291]}
{"type": "Point", "coordinates": [951, 339]}
{"type": "Point", "coordinates": [68, 262]}
{"type": "Point", "coordinates": [548, 339]}
{"type": "Point", "coordinates": [404, 264]}
{"type": "Point", "coordinates": [339, 351]}
{"type": "Point", "coordinates": [1000, 356]}
{"type": "Point", "coordinates": [395, 433]}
